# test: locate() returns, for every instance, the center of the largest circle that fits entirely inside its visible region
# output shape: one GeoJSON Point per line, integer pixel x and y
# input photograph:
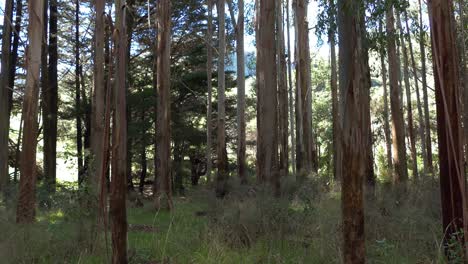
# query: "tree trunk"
{"type": "Point", "coordinates": [427, 117]}
{"type": "Point", "coordinates": [291, 97]}
{"type": "Point", "coordinates": [99, 98]}
{"type": "Point", "coordinates": [334, 92]}
{"type": "Point", "coordinates": [267, 91]}
{"type": "Point", "coordinates": [209, 77]}
{"type": "Point", "coordinates": [4, 94]}
{"type": "Point", "coordinates": [388, 140]}
{"type": "Point", "coordinates": [452, 177]}
{"type": "Point", "coordinates": [305, 150]}
{"type": "Point", "coordinates": [354, 137]}
{"type": "Point", "coordinates": [78, 104]}
{"type": "Point", "coordinates": [418, 97]}
{"type": "Point", "coordinates": [163, 138]}
{"type": "Point", "coordinates": [400, 173]}
{"type": "Point", "coordinates": [144, 168]}
{"type": "Point", "coordinates": [409, 107]}
{"type": "Point", "coordinates": [239, 29]}
{"type": "Point", "coordinates": [27, 190]}
{"type": "Point", "coordinates": [14, 52]}
{"type": "Point", "coordinates": [221, 178]}
{"type": "Point", "coordinates": [282, 93]}
{"type": "Point", "coordinates": [366, 86]}
{"type": "Point", "coordinates": [118, 184]}
{"type": "Point", "coordinates": [49, 163]}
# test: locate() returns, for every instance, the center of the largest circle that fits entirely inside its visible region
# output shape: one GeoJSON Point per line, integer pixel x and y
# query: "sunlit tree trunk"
{"type": "Point", "coordinates": [163, 138]}
{"type": "Point", "coordinates": [388, 140]}
{"type": "Point", "coordinates": [291, 92]}
{"type": "Point", "coordinates": [427, 117]}
{"type": "Point", "coordinates": [400, 173]}
{"type": "Point", "coordinates": [27, 190]}
{"type": "Point", "coordinates": [418, 97]}
{"type": "Point", "coordinates": [354, 137]}
{"type": "Point", "coordinates": [446, 73]}
{"type": "Point", "coordinates": [267, 91]}
{"type": "Point", "coordinates": [409, 107]}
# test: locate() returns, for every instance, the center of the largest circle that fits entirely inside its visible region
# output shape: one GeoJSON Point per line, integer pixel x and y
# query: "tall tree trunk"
{"type": "Point", "coordinates": [163, 139]}
{"type": "Point", "coordinates": [118, 184]}
{"type": "Point", "coordinates": [463, 70]}
{"type": "Point", "coordinates": [282, 92]}
{"type": "Point", "coordinates": [99, 97]}
{"type": "Point", "coordinates": [354, 137]}
{"type": "Point", "coordinates": [4, 94]}
{"type": "Point", "coordinates": [418, 97]}
{"type": "Point", "coordinates": [366, 86]}
{"type": "Point", "coordinates": [209, 77]}
{"type": "Point", "coordinates": [409, 107]}
{"type": "Point", "coordinates": [221, 178]}
{"type": "Point", "coordinates": [388, 140]}
{"type": "Point", "coordinates": [427, 117]}
{"type": "Point", "coordinates": [291, 97]}
{"type": "Point", "coordinates": [267, 91]}
{"type": "Point", "coordinates": [144, 163]}
{"type": "Point", "coordinates": [334, 90]}
{"type": "Point", "coordinates": [241, 141]}
{"type": "Point", "coordinates": [27, 190]}
{"type": "Point", "coordinates": [14, 52]}
{"type": "Point", "coordinates": [400, 173]}
{"type": "Point", "coordinates": [78, 103]}
{"type": "Point", "coordinates": [239, 29]}
{"type": "Point", "coordinates": [130, 24]}
{"type": "Point", "coordinates": [302, 56]}
{"type": "Point", "coordinates": [48, 153]}
{"type": "Point", "coordinates": [446, 71]}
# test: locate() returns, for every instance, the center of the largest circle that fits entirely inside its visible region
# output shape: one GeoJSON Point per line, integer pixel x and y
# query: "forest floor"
{"type": "Point", "coordinates": [248, 226]}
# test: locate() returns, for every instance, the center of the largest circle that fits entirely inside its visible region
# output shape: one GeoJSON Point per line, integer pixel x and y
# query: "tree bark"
{"type": "Point", "coordinates": [409, 107]}
{"type": "Point", "coordinates": [305, 149]}
{"type": "Point", "coordinates": [334, 91]}
{"type": "Point", "coordinates": [163, 139]}
{"type": "Point", "coordinates": [78, 103]}
{"type": "Point", "coordinates": [27, 190]}
{"type": "Point", "coordinates": [118, 184]}
{"type": "Point", "coordinates": [446, 69]}
{"type": "Point", "coordinates": [221, 177]}
{"type": "Point", "coordinates": [267, 91]}
{"type": "Point", "coordinates": [418, 97]}
{"type": "Point", "coordinates": [239, 30]}
{"type": "Point", "coordinates": [400, 173]}
{"type": "Point", "coordinates": [354, 138]}
{"type": "Point", "coordinates": [388, 140]}
{"type": "Point", "coordinates": [282, 93]}
{"type": "Point", "coordinates": [427, 117]}
{"type": "Point", "coordinates": [99, 98]}
{"type": "Point", "coordinates": [291, 97]}
{"type": "Point", "coordinates": [49, 95]}
{"type": "Point", "coordinates": [4, 94]}
{"type": "Point", "coordinates": [209, 77]}
{"type": "Point", "coordinates": [14, 52]}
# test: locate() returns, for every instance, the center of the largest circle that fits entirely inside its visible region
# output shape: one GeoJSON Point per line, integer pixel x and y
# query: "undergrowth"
{"type": "Point", "coordinates": [248, 226]}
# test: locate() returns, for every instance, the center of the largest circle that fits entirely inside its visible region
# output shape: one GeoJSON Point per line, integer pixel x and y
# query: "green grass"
{"type": "Point", "coordinates": [302, 227]}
